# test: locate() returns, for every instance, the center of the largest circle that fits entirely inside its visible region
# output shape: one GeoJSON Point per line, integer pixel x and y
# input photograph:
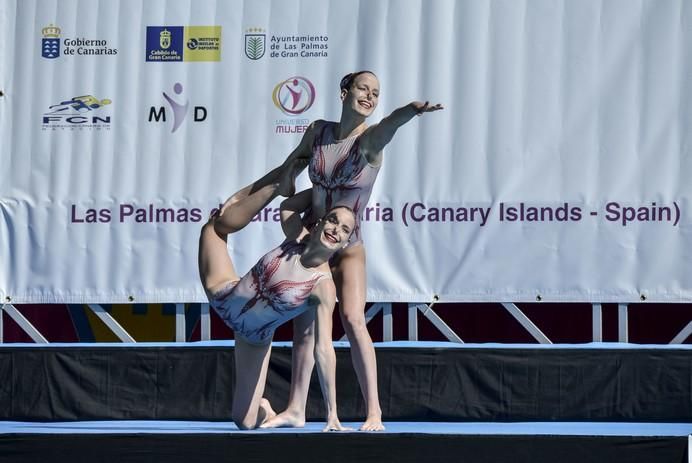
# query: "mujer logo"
{"type": "Point", "coordinates": [294, 95]}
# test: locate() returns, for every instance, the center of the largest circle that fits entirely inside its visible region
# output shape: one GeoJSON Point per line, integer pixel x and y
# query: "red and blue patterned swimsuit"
{"type": "Point", "coordinates": [340, 176]}
{"type": "Point", "coordinates": [274, 291]}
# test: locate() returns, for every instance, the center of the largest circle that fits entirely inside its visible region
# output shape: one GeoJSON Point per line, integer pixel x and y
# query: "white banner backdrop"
{"type": "Point", "coordinates": [559, 168]}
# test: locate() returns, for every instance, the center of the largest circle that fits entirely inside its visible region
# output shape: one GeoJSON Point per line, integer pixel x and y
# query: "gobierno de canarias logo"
{"type": "Point", "coordinates": [53, 46]}
{"type": "Point", "coordinates": [50, 44]}
{"type": "Point", "coordinates": [294, 95]}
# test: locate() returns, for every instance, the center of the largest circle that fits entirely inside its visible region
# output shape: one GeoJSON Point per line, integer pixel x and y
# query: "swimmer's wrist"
{"type": "Point", "coordinates": [416, 110]}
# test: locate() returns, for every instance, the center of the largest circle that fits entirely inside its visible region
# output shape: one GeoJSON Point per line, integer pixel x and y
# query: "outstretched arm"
{"type": "Point", "coordinates": [290, 211]}
{"type": "Point", "coordinates": [379, 135]}
{"type": "Point", "coordinates": [324, 296]}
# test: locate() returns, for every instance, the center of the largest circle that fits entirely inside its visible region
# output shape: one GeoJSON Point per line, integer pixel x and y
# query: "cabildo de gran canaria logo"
{"type": "Point", "coordinates": [77, 113]}
{"type": "Point", "coordinates": [51, 44]}
{"type": "Point", "coordinates": [285, 46]}
{"type": "Point", "coordinates": [183, 43]}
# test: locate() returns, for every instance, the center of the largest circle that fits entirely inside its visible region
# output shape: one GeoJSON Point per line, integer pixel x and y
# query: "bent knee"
{"type": "Point", "coordinates": [208, 227]}
{"type": "Point", "coordinates": [216, 227]}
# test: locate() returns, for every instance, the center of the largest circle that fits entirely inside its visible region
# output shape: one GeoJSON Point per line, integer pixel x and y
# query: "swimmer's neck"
{"type": "Point", "coordinates": [350, 124]}
{"type": "Point", "coordinates": [315, 254]}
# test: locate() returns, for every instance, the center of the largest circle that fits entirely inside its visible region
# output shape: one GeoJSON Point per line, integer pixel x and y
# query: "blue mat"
{"type": "Point", "coordinates": [208, 427]}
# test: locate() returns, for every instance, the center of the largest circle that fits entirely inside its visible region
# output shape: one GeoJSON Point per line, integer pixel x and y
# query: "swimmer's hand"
{"type": "Point", "coordinates": [425, 107]}
{"type": "Point", "coordinates": [333, 424]}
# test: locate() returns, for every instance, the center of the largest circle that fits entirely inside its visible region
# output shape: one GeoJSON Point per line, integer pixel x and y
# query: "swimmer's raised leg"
{"type": "Point", "coordinates": [238, 210]}
{"type": "Point", "coordinates": [216, 268]}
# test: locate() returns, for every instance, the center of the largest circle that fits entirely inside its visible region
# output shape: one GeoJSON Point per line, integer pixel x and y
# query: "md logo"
{"type": "Point", "coordinates": [179, 107]}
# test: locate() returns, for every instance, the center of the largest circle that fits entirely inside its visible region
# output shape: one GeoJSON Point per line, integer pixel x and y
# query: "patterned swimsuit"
{"type": "Point", "coordinates": [270, 294]}
{"type": "Point", "coordinates": [340, 175]}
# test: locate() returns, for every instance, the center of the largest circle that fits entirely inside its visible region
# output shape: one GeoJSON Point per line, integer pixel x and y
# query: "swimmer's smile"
{"type": "Point", "coordinates": [330, 237]}
{"type": "Point", "coordinates": [365, 103]}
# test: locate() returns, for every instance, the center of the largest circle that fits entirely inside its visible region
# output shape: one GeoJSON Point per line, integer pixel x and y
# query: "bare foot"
{"type": "Point", "coordinates": [285, 419]}
{"type": "Point", "coordinates": [266, 407]}
{"type": "Point", "coordinates": [333, 424]}
{"type": "Point", "coordinates": [373, 423]}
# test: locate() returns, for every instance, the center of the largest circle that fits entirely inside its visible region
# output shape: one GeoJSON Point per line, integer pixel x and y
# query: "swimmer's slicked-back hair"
{"type": "Point", "coordinates": [343, 206]}
{"type": "Point", "coordinates": [347, 80]}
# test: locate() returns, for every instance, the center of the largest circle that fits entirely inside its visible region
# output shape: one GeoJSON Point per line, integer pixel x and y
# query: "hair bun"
{"type": "Point", "coordinates": [348, 79]}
